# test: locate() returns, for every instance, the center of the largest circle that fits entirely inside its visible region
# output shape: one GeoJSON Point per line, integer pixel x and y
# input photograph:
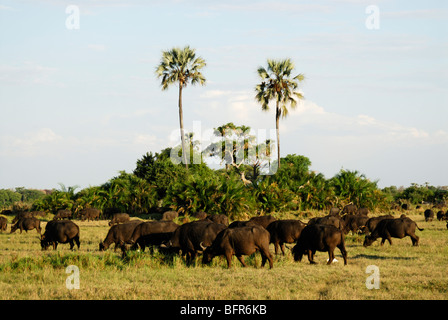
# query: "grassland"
{"type": "Point", "coordinates": [406, 272]}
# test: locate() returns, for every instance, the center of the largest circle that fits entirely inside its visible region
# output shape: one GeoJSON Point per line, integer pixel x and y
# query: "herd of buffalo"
{"type": "Point", "coordinates": [214, 236]}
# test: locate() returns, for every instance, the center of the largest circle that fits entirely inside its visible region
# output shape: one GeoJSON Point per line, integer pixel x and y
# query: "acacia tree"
{"type": "Point", "coordinates": [180, 66]}
{"type": "Point", "coordinates": [278, 84]}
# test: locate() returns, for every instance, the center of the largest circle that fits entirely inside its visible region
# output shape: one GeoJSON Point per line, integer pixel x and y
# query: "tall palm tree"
{"type": "Point", "coordinates": [180, 66]}
{"type": "Point", "coordinates": [279, 85]}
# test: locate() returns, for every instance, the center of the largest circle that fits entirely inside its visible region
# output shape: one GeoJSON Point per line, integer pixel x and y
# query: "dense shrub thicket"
{"type": "Point", "coordinates": [236, 191]}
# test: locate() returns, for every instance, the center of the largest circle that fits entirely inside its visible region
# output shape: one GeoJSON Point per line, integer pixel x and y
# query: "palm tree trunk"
{"type": "Point", "coordinates": [277, 119]}
{"type": "Point", "coordinates": [181, 121]}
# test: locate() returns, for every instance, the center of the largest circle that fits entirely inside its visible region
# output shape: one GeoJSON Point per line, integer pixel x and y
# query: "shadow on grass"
{"type": "Point", "coordinates": [377, 257]}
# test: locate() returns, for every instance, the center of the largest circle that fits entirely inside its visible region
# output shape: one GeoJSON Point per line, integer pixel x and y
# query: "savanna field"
{"type": "Point", "coordinates": [405, 272]}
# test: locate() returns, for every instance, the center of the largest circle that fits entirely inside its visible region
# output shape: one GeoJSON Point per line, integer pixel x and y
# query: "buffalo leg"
{"type": "Point", "coordinates": [229, 260]}
{"type": "Point", "coordinates": [414, 239]}
{"type": "Point", "coordinates": [240, 258]}
{"type": "Point", "coordinates": [343, 252]}
{"type": "Point", "coordinates": [282, 246]}
{"type": "Point", "coordinates": [311, 256]}
{"type": "Point", "coordinates": [276, 247]}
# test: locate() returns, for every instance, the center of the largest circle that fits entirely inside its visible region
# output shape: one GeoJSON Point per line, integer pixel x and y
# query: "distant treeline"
{"type": "Point", "coordinates": [238, 192]}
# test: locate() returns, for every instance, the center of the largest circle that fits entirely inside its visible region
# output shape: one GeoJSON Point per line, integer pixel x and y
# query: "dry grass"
{"type": "Point", "coordinates": [406, 272]}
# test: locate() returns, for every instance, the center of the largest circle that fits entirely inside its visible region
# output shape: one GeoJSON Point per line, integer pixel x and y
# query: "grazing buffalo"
{"type": "Point", "coordinates": [119, 234]}
{"type": "Point", "coordinates": [441, 216]}
{"type": "Point", "coordinates": [60, 231]}
{"type": "Point", "coordinates": [284, 231]}
{"type": "Point", "coordinates": [169, 215]}
{"type": "Point", "coordinates": [119, 218]}
{"type": "Point", "coordinates": [239, 242]}
{"type": "Point", "coordinates": [393, 228]}
{"type": "Point", "coordinates": [190, 237]}
{"type": "Point", "coordinates": [27, 224]}
{"type": "Point", "coordinates": [429, 215]}
{"type": "Point", "coordinates": [90, 214]}
{"type": "Point", "coordinates": [354, 222]}
{"type": "Point", "coordinates": [330, 220]}
{"type": "Point", "coordinates": [3, 224]}
{"type": "Point", "coordinates": [152, 233]}
{"type": "Point", "coordinates": [372, 222]}
{"type": "Point", "coordinates": [63, 214]}
{"type": "Point", "coordinates": [319, 237]}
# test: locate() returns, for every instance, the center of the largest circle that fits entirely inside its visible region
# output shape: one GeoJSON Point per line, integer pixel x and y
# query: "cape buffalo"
{"type": "Point", "coordinates": [354, 222]}
{"type": "Point", "coordinates": [152, 233]}
{"type": "Point", "coordinates": [189, 236]}
{"type": "Point", "coordinates": [239, 242]}
{"type": "Point", "coordinates": [429, 215]}
{"type": "Point", "coordinates": [119, 234]}
{"type": "Point", "coordinates": [319, 237]}
{"type": "Point", "coordinates": [60, 231]}
{"type": "Point", "coordinates": [27, 224]}
{"type": "Point", "coordinates": [119, 218]}
{"type": "Point", "coordinates": [372, 223]}
{"type": "Point", "coordinates": [62, 214]}
{"type": "Point", "coordinates": [284, 231]}
{"type": "Point", "coordinates": [393, 228]}
{"type": "Point", "coordinates": [90, 214]}
{"type": "Point", "coordinates": [330, 220]}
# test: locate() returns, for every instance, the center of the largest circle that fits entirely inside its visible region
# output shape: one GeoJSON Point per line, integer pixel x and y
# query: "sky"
{"type": "Point", "coordinates": [80, 101]}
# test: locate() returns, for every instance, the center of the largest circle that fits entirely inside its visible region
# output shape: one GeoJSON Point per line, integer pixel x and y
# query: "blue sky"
{"type": "Point", "coordinates": [79, 105]}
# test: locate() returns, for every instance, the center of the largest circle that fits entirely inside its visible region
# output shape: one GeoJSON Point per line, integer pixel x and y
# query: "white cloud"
{"type": "Point", "coordinates": [97, 47]}
{"type": "Point", "coordinates": [27, 73]}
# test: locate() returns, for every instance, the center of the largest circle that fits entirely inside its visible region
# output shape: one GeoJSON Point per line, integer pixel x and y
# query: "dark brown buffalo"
{"type": "Point", "coordinates": [441, 216]}
{"type": "Point", "coordinates": [239, 242]}
{"type": "Point", "coordinates": [119, 218]}
{"type": "Point", "coordinates": [429, 215]}
{"type": "Point", "coordinates": [330, 220]}
{"type": "Point", "coordinates": [284, 231]}
{"type": "Point", "coordinates": [354, 222]}
{"type": "Point", "coordinates": [393, 228]}
{"type": "Point", "coordinates": [119, 234]}
{"type": "Point", "coordinates": [63, 214]}
{"type": "Point", "coordinates": [152, 233]}
{"type": "Point", "coordinates": [60, 231]}
{"type": "Point", "coordinates": [27, 224]}
{"type": "Point", "coordinates": [3, 224]}
{"type": "Point", "coordinates": [90, 214]}
{"type": "Point", "coordinates": [319, 237]}
{"type": "Point", "coordinates": [372, 223]}
{"type": "Point", "coordinates": [189, 237]}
